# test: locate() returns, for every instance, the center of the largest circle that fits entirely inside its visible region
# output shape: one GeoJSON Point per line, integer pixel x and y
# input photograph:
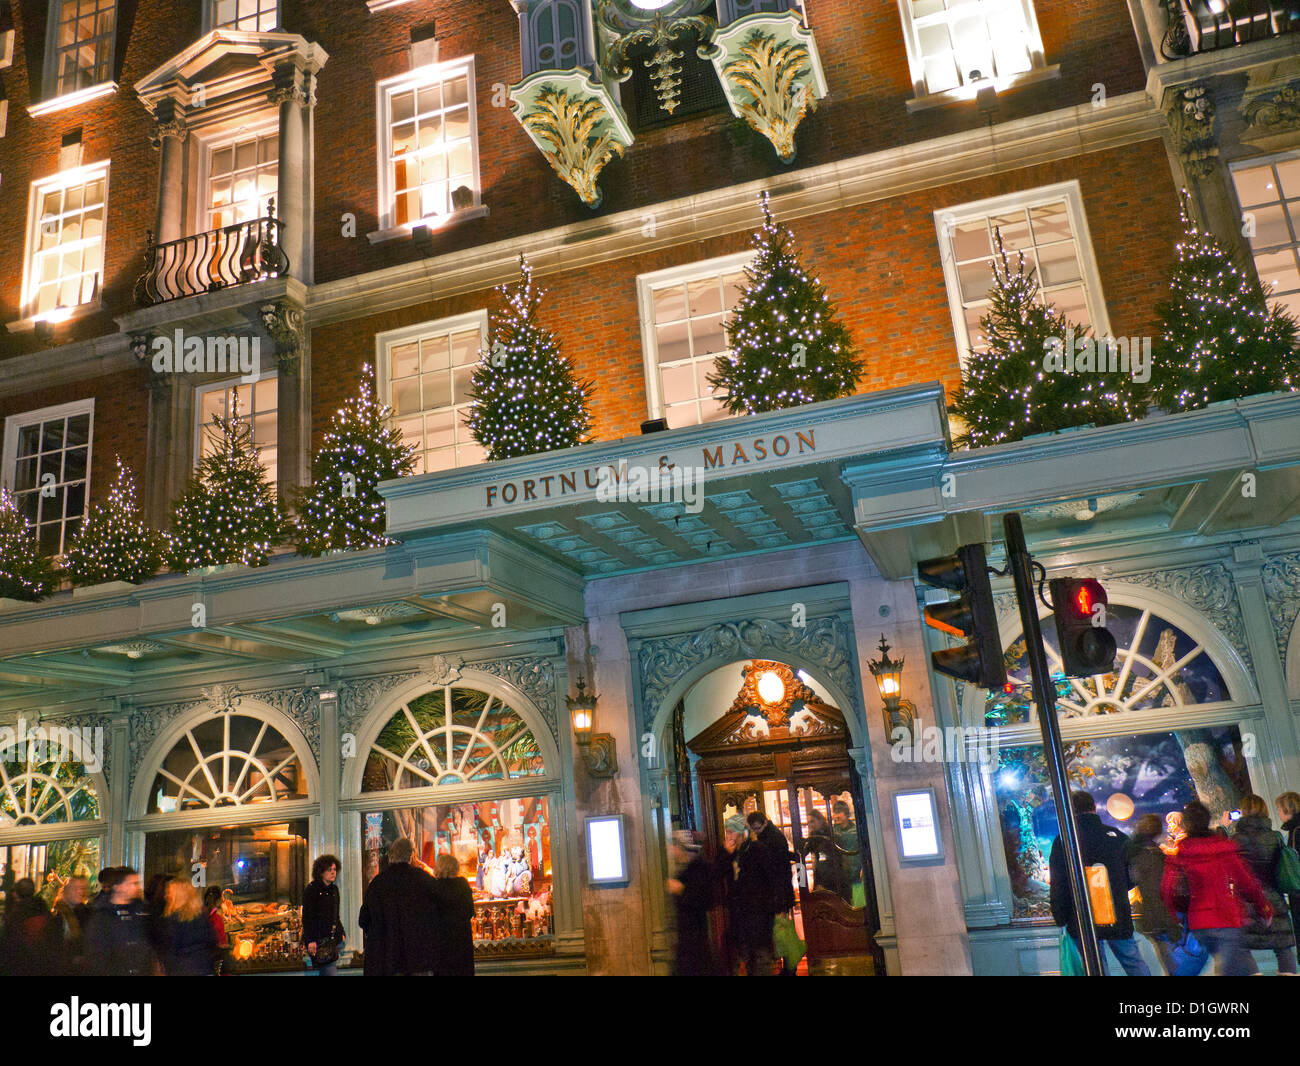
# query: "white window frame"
{"type": "Point", "coordinates": [646, 285]}
{"type": "Point", "coordinates": [202, 205]}
{"type": "Point", "coordinates": [1038, 68]}
{"type": "Point", "coordinates": [9, 459]}
{"type": "Point", "coordinates": [53, 100]}
{"type": "Point", "coordinates": [226, 383]}
{"type": "Point", "coordinates": [946, 219]}
{"type": "Point", "coordinates": [39, 187]}
{"type": "Point", "coordinates": [384, 90]}
{"type": "Point", "coordinates": [210, 20]}
{"type": "Point", "coordinates": [384, 342]}
{"type": "Point", "coordinates": [1282, 199]}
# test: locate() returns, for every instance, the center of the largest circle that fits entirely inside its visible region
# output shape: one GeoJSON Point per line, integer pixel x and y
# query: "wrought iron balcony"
{"type": "Point", "coordinates": [208, 262]}
{"type": "Point", "coordinates": [1197, 26]}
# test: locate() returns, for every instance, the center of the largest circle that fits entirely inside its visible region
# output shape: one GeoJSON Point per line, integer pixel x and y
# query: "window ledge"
{"type": "Point", "coordinates": [29, 324]}
{"type": "Point", "coordinates": [465, 214]}
{"type": "Point", "coordinates": [67, 100]}
{"type": "Point", "coordinates": [966, 93]}
{"type": "Point", "coordinates": [384, 5]}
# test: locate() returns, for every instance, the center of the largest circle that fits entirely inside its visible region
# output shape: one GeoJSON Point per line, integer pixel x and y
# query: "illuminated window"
{"type": "Point", "coordinates": [425, 376]}
{"type": "Point", "coordinates": [251, 15]}
{"type": "Point", "coordinates": [230, 760]}
{"type": "Point", "coordinates": [1269, 194]}
{"type": "Point", "coordinates": [952, 43]}
{"type": "Point", "coordinates": [1049, 226]}
{"type": "Point", "coordinates": [82, 44]}
{"type": "Point", "coordinates": [242, 176]}
{"type": "Point", "coordinates": [253, 402]}
{"type": "Point", "coordinates": [683, 330]}
{"type": "Point", "coordinates": [429, 144]}
{"type": "Point", "coordinates": [47, 466]}
{"type": "Point", "coordinates": [66, 241]}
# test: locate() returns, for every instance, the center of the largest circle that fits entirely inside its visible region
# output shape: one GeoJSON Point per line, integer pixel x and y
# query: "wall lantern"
{"type": "Point", "coordinates": [598, 750]}
{"type": "Point", "coordinates": [900, 714]}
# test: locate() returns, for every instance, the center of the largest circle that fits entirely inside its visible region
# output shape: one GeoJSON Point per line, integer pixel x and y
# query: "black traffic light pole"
{"type": "Point", "coordinates": [1021, 566]}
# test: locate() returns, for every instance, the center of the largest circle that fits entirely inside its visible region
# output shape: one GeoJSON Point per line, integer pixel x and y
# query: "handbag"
{"type": "Point", "coordinates": [1071, 960]}
{"type": "Point", "coordinates": [327, 951]}
{"type": "Point", "coordinates": [1288, 867]}
{"type": "Point", "coordinates": [1189, 957]}
{"type": "Point", "coordinates": [785, 938]}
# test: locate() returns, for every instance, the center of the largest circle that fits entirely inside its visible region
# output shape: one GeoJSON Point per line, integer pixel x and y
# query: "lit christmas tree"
{"type": "Point", "coordinates": [527, 397]}
{"type": "Point", "coordinates": [343, 511]}
{"type": "Point", "coordinates": [25, 574]}
{"type": "Point", "coordinates": [228, 512]}
{"type": "Point", "coordinates": [1006, 393]}
{"type": "Point", "coordinates": [787, 346]}
{"type": "Point", "coordinates": [1219, 339]}
{"type": "Point", "coordinates": [114, 544]}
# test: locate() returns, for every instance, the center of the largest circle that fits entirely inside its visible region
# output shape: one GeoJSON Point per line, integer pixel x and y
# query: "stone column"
{"type": "Point", "coordinates": [294, 93]}
{"type": "Point", "coordinates": [170, 455]}
{"type": "Point", "coordinates": [331, 769]}
{"type": "Point", "coordinates": [286, 324]}
{"type": "Point", "coordinates": [169, 138]}
{"type": "Point", "coordinates": [119, 780]}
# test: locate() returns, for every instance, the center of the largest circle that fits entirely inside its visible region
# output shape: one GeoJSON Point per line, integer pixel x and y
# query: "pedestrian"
{"type": "Point", "coordinates": [1100, 845]}
{"type": "Point", "coordinates": [753, 892]}
{"type": "Point", "coordinates": [155, 901]}
{"type": "Point", "coordinates": [1204, 879]}
{"type": "Point", "coordinates": [117, 943]}
{"type": "Point", "coordinates": [454, 901]}
{"type": "Point", "coordinates": [1146, 864]}
{"type": "Point", "coordinates": [322, 930]}
{"type": "Point", "coordinates": [71, 913]}
{"type": "Point", "coordinates": [30, 941]}
{"type": "Point", "coordinates": [1288, 814]}
{"type": "Point", "coordinates": [212, 907]}
{"type": "Point", "coordinates": [398, 917]}
{"type": "Point", "coordinates": [1261, 848]}
{"type": "Point", "coordinates": [189, 941]}
{"type": "Point", "coordinates": [692, 888]}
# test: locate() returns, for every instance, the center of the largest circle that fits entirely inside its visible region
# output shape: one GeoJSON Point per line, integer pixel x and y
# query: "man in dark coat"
{"type": "Point", "coordinates": [29, 944]}
{"type": "Point", "coordinates": [765, 833]}
{"type": "Point", "coordinates": [399, 917]}
{"type": "Point", "coordinates": [692, 888]}
{"type": "Point", "coordinates": [118, 941]}
{"type": "Point", "coordinates": [1108, 847]}
{"type": "Point", "coordinates": [1260, 848]}
{"type": "Point", "coordinates": [454, 903]}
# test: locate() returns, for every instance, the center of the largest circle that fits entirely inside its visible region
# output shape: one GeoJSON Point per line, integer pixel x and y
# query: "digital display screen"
{"type": "Point", "coordinates": [918, 825]}
{"type": "Point", "coordinates": [606, 850]}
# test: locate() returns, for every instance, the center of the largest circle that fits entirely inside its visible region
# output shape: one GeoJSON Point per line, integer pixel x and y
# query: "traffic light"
{"type": "Point", "coordinates": [1087, 646]}
{"type": "Point", "coordinates": [971, 617]}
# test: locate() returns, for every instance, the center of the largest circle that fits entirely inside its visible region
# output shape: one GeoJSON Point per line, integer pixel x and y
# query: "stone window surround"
{"type": "Point", "coordinates": [1072, 194]}
{"type": "Point", "coordinates": [209, 23]}
{"type": "Point", "coordinates": [1282, 199]}
{"type": "Point", "coordinates": [257, 125]}
{"type": "Point", "coordinates": [646, 284]}
{"type": "Point", "coordinates": [226, 384]}
{"type": "Point", "coordinates": [51, 101]}
{"type": "Point", "coordinates": [12, 424]}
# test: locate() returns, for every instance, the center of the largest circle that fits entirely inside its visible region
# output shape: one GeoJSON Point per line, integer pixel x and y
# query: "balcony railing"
{"type": "Point", "coordinates": [208, 262]}
{"type": "Point", "coordinates": [1197, 26]}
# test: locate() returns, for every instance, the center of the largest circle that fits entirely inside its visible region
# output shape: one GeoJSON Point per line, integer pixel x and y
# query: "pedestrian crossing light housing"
{"type": "Point", "coordinates": [970, 617]}
{"type": "Point", "coordinates": [1087, 646]}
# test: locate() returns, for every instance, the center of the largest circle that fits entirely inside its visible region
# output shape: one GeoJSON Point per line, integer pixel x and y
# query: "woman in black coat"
{"type": "Point", "coordinates": [693, 888]}
{"type": "Point", "coordinates": [188, 939]}
{"type": "Point", "coordinates": [320, 917]}
{"type": "Point", "coordinates": [455, 914]}
{"type": "Point", "coordinates": [1288, 813]}
{"type": "Point", "coordinates": [1146, 866]}
{"type": "Point", "coordinates": [1260, 847]}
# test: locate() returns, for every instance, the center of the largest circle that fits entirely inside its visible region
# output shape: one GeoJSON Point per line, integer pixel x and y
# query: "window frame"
{"type": "Point", "coordinates": [210, 18]}
{"type": "Point", "coordinates": [946, 219]}
{"type": "Point", "coordinates": [39, 187]}
{"type": "Point", "coordinates": [646, 286]}
{"type": "Point", "coordinates": [385, 342]}
{"type": "Point", "coordinates": [440, 71]}
{"type": "Point", "coordinates": [207, 145]}
{"type": "Point", "coordinates": [1038, 67]}
{"type": "Point", "coordinates": [12, 425]}
{"type": "Point", "coordinates": [50, 96]}
{"type": "Point", "coordinates": [226, 383]}
{"type": "Point", "coordinates": [1291, 155]}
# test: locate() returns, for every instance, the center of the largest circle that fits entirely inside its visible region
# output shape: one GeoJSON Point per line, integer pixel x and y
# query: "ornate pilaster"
{"type": "Point", "coordinates": [1190, 112]}
{"type": "Point", "coordinates": [285, 323]}
{"type": "Point", "coordinates": [1281, 578]}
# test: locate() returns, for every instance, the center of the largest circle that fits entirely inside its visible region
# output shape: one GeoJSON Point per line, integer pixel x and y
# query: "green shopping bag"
{"type": "Point", "coordinates": [1071, 960]}
{"type": "Point", "coordinates": [1288, 867]}
{"type": "Point", "coordinates": [785, 937]}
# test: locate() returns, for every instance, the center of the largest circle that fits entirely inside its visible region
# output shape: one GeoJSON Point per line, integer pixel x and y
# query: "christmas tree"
{"type": "Point", "coordinates": [228, 512]}
{"type": "Point", "coordinates": [114, 543]}
{"type": "Point", "coordinates": [343, 511]}
{"type": "Point", "coordinates": [1219, 340]}
{"type": "Point", "coordinates": [527, 397]}
{"type": "Point", "coordinates": [787, 346]}
{"type": "Point", "coordinates": [1025, 382]}
{"type": "Point", "coordinates": [25, 574]}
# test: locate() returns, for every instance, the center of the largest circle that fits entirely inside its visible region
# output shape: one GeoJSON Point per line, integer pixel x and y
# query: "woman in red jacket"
{"type": "Point", "coordinates": [1210, 876]}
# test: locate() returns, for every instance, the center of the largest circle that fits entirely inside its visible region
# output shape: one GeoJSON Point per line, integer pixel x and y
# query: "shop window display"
{"type": "Point", "coordinates": [1150, 773]}
{"type": "Point", "coordinates": [504, 851]}
{"type": "Point", "coordinates": [261, 871]}
{"type": "Point", "coordinates": [229, 761]}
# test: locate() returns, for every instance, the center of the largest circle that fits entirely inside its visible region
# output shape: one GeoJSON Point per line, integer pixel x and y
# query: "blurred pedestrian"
{"type": "Point", "coordinates": [1205, 878]}
{"type": "Point", "coordinates": [754, 897]}
{"type": "Point", "coordinates": [71, 912]}
{"type": "Point", "coordinates": [117, 942]}
{"type": "Point", "coordinates": [1261, 848]}
{"type": "Point", "coordinates": [212, 907]}
{"type": "Point", "coordinates": [155, 901]}
{"type": "Point", "coordinates": [190, 942]}
{"type": "Point", "coordinates": [398, 917]}
{"type": "Point", "coordinates": [1146, 863]}
{"type": "Point", "coordinates": [1288, 814]}
{"type": "Point", "coordinates": [692, 888]}
{"type": "Point", "coordinates": [1100, 845]}
{"type": "Point", "coordinates": [30, 940]}
{"type": "Point", "coordinates": [454, 902]}
{"type": "Point", "coordinates": [322, 930]}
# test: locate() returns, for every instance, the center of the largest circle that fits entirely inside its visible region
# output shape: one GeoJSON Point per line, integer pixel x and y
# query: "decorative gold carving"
{"type": "Point", "coordinates": [575, 135]}
{"type": "Point", "coordinates": [658, 33]}
{"type": "Point", "coordinates": [776, 714]}
{"type": "Point", "coordinates": [771, 85]}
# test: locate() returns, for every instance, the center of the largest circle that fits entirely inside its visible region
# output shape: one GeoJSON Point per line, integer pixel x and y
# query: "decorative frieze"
{"type": "Point", "coordinates": [1274, 111]}
{"type": "Point", "coordinates": [1281, 576]}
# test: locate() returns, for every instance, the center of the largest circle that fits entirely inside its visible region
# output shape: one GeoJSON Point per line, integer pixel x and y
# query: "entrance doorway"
{"type": "Point", "coordinates": [782, 750]}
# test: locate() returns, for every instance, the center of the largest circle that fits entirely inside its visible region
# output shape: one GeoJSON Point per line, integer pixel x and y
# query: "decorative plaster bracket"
{"type": "Point", "coordinates": [1190, 111]}
{"type": "Point", "coordinates": [285, 323]}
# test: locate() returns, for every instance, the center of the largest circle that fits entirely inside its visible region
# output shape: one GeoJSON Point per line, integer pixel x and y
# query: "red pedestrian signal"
{"type": "Point", "coordinates": [1087, 646]}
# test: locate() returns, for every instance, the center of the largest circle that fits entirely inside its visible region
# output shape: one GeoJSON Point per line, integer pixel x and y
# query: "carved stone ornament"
{"type": "Point", "coordinates": [291, 85]}
{"type": "Point", "coordinates": [285, 324]}
{"type": "Point", "coordinates": [171, 127]}
{"type": "Point", "coordinates": [1271, 112]}
{"type": "Point", "coordinates": [1190, 112]}
{"type": "Point", "coordinates": [1281, 575]}
{"type": "Point", "coordinates": [627, 26]}
{"type": "Point", "coordinates": [141, 343]}
{"type": "Point", "coordinates": [225, 699]}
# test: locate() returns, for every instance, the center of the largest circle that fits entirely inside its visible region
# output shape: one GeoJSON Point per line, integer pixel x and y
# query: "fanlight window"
{"type": "Point", "coordinates": [1157, 665]}
{"type": "Point", "coordinates": [228, 761]}
{"type": "Point", "coordinates": [45, 791]}
{"type": "Point", "coordinates": [452, 736]}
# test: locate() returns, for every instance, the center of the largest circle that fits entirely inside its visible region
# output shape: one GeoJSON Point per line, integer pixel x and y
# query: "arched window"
{"type": "Point", "coordinates": [227, 761]}
{"type": "Point", "coordinates": [555, 36]}
{"type": "Point", "coordinates": [449, 736]}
